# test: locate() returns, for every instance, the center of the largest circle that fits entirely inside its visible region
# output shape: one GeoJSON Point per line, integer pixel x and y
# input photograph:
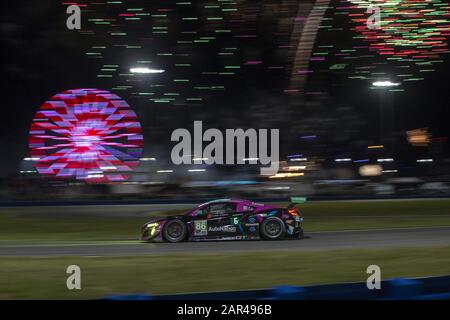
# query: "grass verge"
{"type": "Point", "coordinates": [45, 278]}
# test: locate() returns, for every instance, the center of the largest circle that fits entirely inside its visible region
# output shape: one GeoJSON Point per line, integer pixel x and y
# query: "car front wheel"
{"type": "Point", "coordinates": [175, 231]}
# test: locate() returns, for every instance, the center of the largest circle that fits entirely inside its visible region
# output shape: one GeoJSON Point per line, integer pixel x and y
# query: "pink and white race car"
{"type": "Point", "coordinates": [227, 219]}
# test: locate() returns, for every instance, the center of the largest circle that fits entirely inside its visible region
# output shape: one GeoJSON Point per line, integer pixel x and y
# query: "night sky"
{"type": "Point", "coordinates": [226, 64]}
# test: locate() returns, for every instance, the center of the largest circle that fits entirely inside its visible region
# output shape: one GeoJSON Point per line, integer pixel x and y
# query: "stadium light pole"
{"type": "Point", "coordinates": [384, 99]}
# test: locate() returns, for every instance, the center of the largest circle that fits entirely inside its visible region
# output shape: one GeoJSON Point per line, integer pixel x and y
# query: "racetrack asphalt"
{"type": "Point", "coordinates": [352, 239]}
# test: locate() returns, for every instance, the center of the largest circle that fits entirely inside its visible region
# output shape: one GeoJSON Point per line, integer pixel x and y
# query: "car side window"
{"type": "Point", "coordinates": [201, 212]}
{"type": "Point", "coordinates": [221, 208]}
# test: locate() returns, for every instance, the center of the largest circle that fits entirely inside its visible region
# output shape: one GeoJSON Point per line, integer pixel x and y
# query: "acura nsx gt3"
{"type": "Point", "coordinates": [227, 219]}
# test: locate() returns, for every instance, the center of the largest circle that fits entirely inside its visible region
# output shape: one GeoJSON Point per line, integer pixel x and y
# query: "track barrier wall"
{"type": "Point", "coordinates": [430, 288]}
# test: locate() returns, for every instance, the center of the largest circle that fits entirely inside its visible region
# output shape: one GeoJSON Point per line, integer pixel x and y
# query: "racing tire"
{"type": "Point", "coordinates": [272, 228]}
{"type": "Point", "coordinates": [175, 230]}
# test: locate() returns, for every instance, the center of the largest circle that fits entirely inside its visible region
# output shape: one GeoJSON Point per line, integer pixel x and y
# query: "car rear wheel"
{"type": "Point", "coordinates": [175, 231]}
{"type": "Point", "coordinates": [272, 228]}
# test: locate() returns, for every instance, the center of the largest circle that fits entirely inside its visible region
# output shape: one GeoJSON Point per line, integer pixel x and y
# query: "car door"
{"type": "Point", "coordinates": [220, 222]}
{"type": "Point", "coordinates": [248, 222]}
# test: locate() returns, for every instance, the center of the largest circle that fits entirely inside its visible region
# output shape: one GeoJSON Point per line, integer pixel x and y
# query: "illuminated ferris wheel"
{"type": "Point", "coordinates": [86, 134]}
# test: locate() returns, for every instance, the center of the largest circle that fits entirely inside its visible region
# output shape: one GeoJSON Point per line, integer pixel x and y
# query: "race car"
{"type": "Point", "coordinates": [227, 219]}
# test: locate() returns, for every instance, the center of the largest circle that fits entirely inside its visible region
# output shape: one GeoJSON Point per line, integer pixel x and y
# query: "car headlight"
{"type": "Point", "coordinates": [152, 225]}
{"type": "Point", "coordinates": [152, 228]}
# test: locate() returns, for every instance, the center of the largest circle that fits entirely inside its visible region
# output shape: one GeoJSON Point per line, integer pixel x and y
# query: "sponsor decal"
{"type": "Point", "coordinates": [251, 224]}
{"type": "Point", "coordinates": [200, 228]}
{"type": "Point", "coordinates": [234, 238]}
{"type": "Point", "coordinates": [222, 229]}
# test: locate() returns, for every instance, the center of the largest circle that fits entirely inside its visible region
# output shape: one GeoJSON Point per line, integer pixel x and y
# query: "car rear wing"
{"type": "Point", "coordinates": [295, 201]}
